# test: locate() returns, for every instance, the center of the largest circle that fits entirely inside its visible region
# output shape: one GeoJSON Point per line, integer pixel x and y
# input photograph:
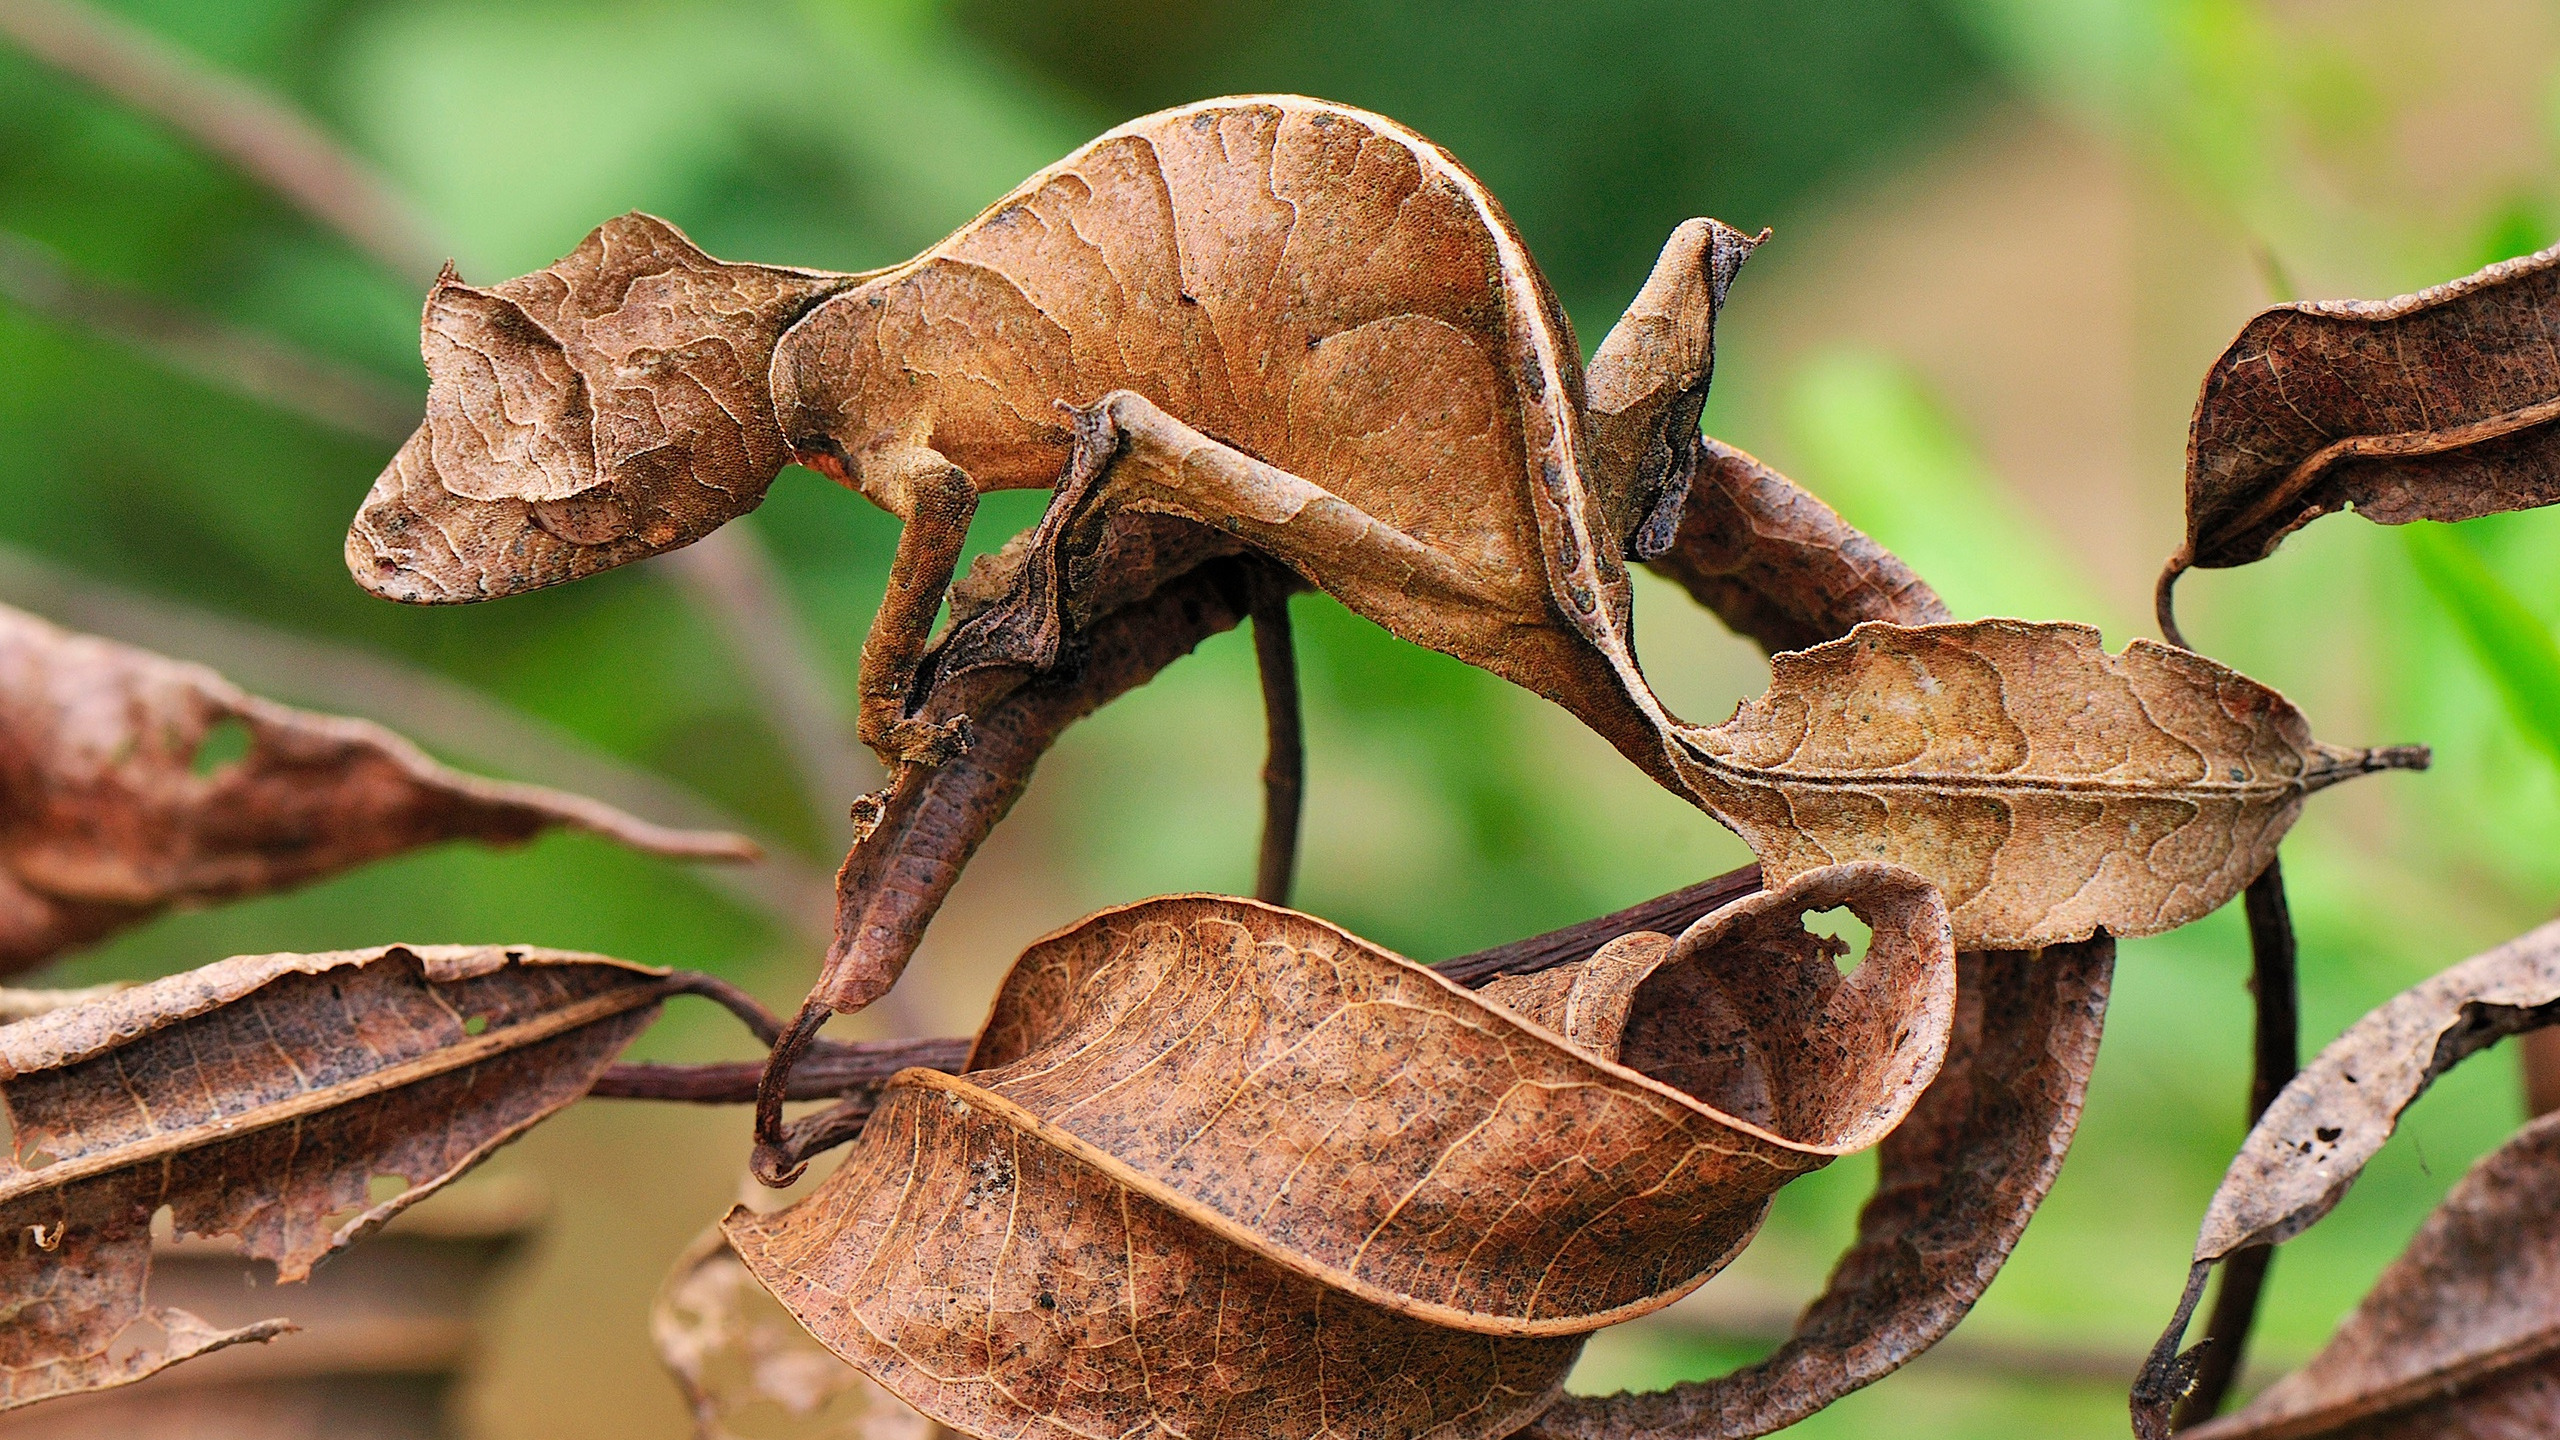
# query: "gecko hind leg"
{"type": "Point", "coordinates": [1130, 455]}
{"type": "Point", "coordinates": [1028, 626]}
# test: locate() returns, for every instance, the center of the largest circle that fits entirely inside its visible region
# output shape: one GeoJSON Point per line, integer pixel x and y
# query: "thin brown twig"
{"type": "Point", "coordinates": [2164, 601]}
{"type": "Point", "coordinates": [2275, 988]}
{"type": "Point", "coordinates": [1284, 764]}
{"type": "Point", "coordinates": [255, 131]}
{"type": "Point", "coordinates": [1669, 914]}
{"type": "Point", "coordinates": [751, 1012]}
{"type": "Point", "coordinates": [825, 1072]}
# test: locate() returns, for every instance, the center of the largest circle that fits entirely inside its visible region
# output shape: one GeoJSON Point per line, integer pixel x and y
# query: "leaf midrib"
{"type": "Point", "coordinates": [474, 1049]}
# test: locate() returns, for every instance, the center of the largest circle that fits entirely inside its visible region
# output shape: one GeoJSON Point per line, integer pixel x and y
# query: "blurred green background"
{"type": "Point", "coordinates": [2011, 236]}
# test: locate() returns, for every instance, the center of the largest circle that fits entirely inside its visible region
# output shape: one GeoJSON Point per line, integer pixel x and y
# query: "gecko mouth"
{"type": "Point", "coordinates": [417, 542]}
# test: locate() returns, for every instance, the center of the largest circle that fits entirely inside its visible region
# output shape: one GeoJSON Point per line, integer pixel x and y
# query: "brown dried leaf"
{"type": "Point", "coordinates": [262, 1096]}
{"type": "Point", "coordinates": [1220, 1161]}
{"type": "Point", "coordinates": [115, 810]}
{"type": "Point", "coordinates": [2050, 789]}
{"type": "Point", "coordinates": [2315, 1139]}
{"type": "Point", "coordinates": [2459, 1338]}
{"type": "Point", "coordinates": [1778, 565]}
{"type": "Point", "coordinates": [2433, 406]}
{"type": "Point", "coordinates": [1957, 1182]}
{"type": "Point", "coordinates": [2312, 1143]}
{"type": "Point", "coordinates": [1960, 1177]}
{"type": "Point", "coordinates": [931, 819]}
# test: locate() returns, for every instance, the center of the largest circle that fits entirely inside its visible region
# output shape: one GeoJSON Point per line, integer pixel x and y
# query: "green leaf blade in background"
{"type": "Point", "coordinates": [2512, 644]}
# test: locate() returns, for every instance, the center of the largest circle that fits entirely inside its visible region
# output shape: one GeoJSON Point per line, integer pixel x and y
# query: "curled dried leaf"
{"type": "Point", "coordinates": [916, 837]}
{"type": "Point", "coordinates": [855, 1073]}
{"type": "Point", "coordinates": [2433, 406]}
{"type": "Point", "coordinates": [1956, 1184]}
{"type": "Point", "coordinates": [2315, 1140]}
{"type": "Point", "coordinates": [122, 802]}
{"type": "Point", "coordinates": [1238, 1163]}
{"type": "Point", "coordinates": [2459, 1338]}
{"type": "Point", "coordinates": [930, 821]}
{"type": "Point", "coordinates": [2050, 789]}
{"type": "Point", "coordinates": [263, 1097]}
{"type": "Point", "coordinates": [1778, 565]}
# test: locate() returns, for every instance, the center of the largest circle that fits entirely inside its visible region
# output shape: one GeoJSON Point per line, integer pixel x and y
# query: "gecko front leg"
{"type": "Point", "coordinates": [935, 499]}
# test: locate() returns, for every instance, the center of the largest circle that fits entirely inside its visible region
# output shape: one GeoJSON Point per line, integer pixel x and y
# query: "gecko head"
{"type": "Point", "coordinates": [609, 407]}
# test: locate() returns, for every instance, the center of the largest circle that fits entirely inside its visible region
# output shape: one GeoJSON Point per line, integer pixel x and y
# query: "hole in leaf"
{"type": "Point", "coordinates": [1840, 925]}
{"type": "Point", "coordinates": [385, 1187]}
{"type": "Point", "coordinates": [475, 1025]}
{"type": "Point", "coordinates": [36, 1159]}
{"type": "Point", "coordinates": [227, 743]}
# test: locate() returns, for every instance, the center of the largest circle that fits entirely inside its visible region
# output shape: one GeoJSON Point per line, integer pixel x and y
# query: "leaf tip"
{"type": "Point", "coordinates": [2400, 757]}
{"type": "Point", "coordinates": [722, 845]}
{"type": "Point", "coordinates": [2334, 764]}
